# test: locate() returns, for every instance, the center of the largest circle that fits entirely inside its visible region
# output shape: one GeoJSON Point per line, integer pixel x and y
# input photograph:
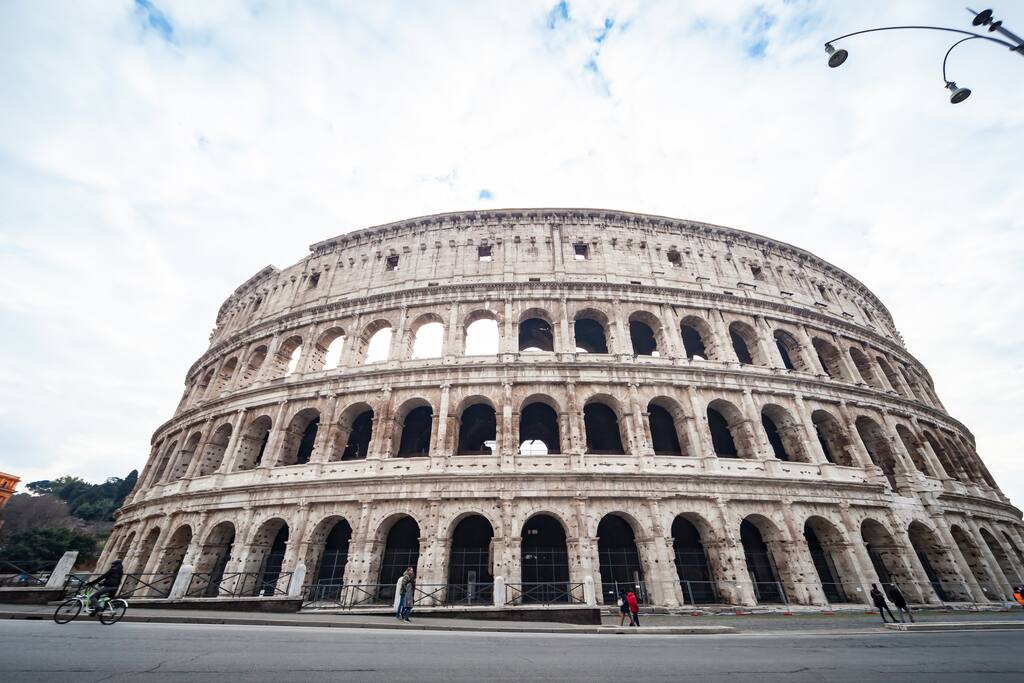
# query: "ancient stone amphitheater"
{"type": "Point", "coordinates": [551, 405]}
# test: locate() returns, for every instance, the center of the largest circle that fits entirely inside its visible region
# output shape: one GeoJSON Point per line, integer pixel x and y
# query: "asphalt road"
{"type": "Point", "coordinates": [88, 651]}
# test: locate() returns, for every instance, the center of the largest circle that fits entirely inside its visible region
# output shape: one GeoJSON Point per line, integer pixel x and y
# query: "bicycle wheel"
{"type": "Point", "coordinates": [67, 611]}
{"type": "Point", "coordinates": [113, 611]}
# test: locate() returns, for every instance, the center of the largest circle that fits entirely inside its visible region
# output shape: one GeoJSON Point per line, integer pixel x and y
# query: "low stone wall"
{"type": "Point", "coordinates": [222, 604]}
{"type": "Point", "coordinates": [33, 595]}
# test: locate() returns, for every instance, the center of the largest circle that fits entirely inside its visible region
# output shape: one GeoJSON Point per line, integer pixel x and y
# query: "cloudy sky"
{"type": "Point", "coordinates": [155, 154]}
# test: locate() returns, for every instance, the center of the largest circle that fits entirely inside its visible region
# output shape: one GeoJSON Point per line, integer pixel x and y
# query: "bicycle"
{"type": "Point", "coordinates": [109, 611]}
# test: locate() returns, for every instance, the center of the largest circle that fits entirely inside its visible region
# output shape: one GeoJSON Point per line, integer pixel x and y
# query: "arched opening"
{"type": "Point", "coordinates": [357, 446]}
{"type": "Point", "coordinates": [892, 377]}
{"type": "Point", "coordinates": [184, 458]}
{"type": "Point", "coordinates": [938, 563]}
{"type": "Point", "coordinates": [589, 336]}
{"type": "Point", "coordinates": [664, 437]}
{"type": "Point", "coordinates": [252, 366]}
{"type": "Point", "coordinates": [878, 448]}
{"type": "Point", "coordinates": [865, 368]}
{"type": "Point", "coordinates": [327, 350]}
{"type": "Point", "coordinates": [482, 338]}
{"type": "Point", "coordinates": [619, 559]}
{"type": "Point", "coordinates": [913, 447]}
{"type": "Point", "coordinates": [723, 437]}
{"type": "Point", "coordinates": [300, 438]}
{"type": "Point", "coordinates": [266, 553]}
{"type": "Point", "coordinates": [253, 443]}
{"type": "Point", "coordinates": [469, 563]}
{"type": "Point", "coordinates": [1002, 559]}
{"type": "Point", "coordinates": [739, 345]}
{"type": "Point", "coordinates": [538, 430]}
{"type": "Point", "coordinates": [760, 565]}
{"type": "Point", "coordinates": [602, 427]}
{"type": "Point", "coordinates": [545, 562]}
{"type": "Point", "coordinates": [160, 471]}
{"type": "Point", "coordinates": [972, 555]}
{"type": "Point", "coordinates": [292, 362]}
{"type": "Point", "coordinates": [832, 437]}
{"type": "Point", "coordinates": [692, 563]}
{"type": "Point", "coordinates": [213, 454]}
{"type": "Point", "coordinates": [825, 544]}
{"type": "Point", "coordinates": [329, 567]}
{"type": "Point", "coordinates": [885, 555]}
{"type": "Point", "coordinates": [378, 344]}
{"type": "Point", "coordinates": [428, 339]}
{"type": "Point", "coordinates": [642, 336]}
{"type": "Point", "coordinates": [401, 551]}
{"type": "Point", "coordinates": [784, 434]}
{"type": "Point", "coordinates": [171, 557]}
{"type": "Point", "coordinates": [535, 335]}
{"type": "Point", "coordinates": [951, 470]}
{"type": "Point", "coordinates": [790, 351]}
{"type": "Point", "coordinates": [204, 385]}
{"type": "Point", "coordinates": [828, 356]}
{"type": "Point", "coordinates": [227, 371]}
{"type": "Point", "coordinates": [416, 427]}
{"type": "Point", "coordinates": [478, 430]}
{"type": "Point", "coordinates": [212, 562]}
{"type": "Point", "coordinates": [696, 334]}
{"type": "Point", "coordinates": [131, 586]}
{"type": "Point", "coordinates": [124, 546]}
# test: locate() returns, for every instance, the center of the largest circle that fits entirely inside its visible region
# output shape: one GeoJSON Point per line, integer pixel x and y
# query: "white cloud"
{"type": "Point", "coordinates": [142, 179]}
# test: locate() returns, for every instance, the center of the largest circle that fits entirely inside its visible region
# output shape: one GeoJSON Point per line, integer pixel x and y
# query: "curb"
{"type": "Point", "coordinates": [959, 626]}
{"type": "Point", "coordinates": [241, 621]}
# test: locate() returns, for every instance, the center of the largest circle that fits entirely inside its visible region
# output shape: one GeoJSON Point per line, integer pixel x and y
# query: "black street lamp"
{"type": "Point", "coordinates": [983, 18]}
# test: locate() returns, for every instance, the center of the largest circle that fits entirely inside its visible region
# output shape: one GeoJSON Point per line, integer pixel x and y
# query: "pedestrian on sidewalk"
{"type": "Point", "coordinates": [881, 604]}
{"type": "Point", "coordinates": [1018, 595]}
{"type": "Point", "coordinates": [634, 609]}
{"type": "Point", "coordinates": [410, 596]}
{"type": "Point", "coordinates": [623, 603]}
{"type": "Point", "coordinates": [400, 591]}
{"type": "Point", "coordinates": [900, 601]}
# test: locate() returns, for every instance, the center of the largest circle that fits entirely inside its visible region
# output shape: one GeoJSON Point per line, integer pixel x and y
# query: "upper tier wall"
{"type": "Point", "coordinates": [621, 248]}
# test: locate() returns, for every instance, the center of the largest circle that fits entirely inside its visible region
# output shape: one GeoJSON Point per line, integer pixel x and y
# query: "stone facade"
{"type": "Point", "coordinates": [745, 424]}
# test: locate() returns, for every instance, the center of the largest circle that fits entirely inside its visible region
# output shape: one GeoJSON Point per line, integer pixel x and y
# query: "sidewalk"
{"type": "Point", "coordinates": [664, 624]}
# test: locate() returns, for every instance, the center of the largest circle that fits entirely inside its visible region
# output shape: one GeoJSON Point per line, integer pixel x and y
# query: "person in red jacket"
{"type": "Point", "coordinates": [634, 609]}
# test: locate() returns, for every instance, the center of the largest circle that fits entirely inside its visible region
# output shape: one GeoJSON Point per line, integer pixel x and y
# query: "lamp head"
{"type": "Point", "coordinates": [982, 17]}
{"type": "Point", "coordinates": [959, 94]}
{"type": "Point", "coordinates": [835, 57]}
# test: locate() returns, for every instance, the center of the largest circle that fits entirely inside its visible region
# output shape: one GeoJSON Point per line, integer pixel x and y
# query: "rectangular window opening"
{"type": "Point", "coordinates": [757, 273]}
{"type": "Point", "coordinates": [534, 279]}
{"type": "Point", "coordinates": [675, 258]}
{"type": "Point", "coordinates": [392, 262]}
{"type": "Point", "coordinates": [314, 280]}
{"type": "Point", "coordinates": [484, 252]}
{"type": "Point", "coordinates": [581, 252]}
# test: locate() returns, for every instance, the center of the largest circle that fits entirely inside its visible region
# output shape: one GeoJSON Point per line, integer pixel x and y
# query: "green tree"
{"type": "Point", "coordinates": [47, 544]}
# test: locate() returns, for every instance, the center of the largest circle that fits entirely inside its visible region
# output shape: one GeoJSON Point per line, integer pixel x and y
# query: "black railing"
{"type": "Point", "coordinates": [544, 593]}
{"type": "Point", "coordinates": [237, 585]}
{"type": "Point", "coordinates": [26, 573]}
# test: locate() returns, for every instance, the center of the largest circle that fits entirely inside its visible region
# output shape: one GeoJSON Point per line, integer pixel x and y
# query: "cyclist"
{"type": "Point", "coordinates": [110, 580]}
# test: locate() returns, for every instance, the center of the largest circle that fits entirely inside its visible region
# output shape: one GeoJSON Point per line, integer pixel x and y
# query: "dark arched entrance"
{"type": "Point", "coordinates": [331, 573]}
{"type": "Point", "coordinates": [270, 571]}
{"type": "Point", "coordinates": [619, 559]}
{"type": "Point", "coordinates": [545, 562]}
{"type": "Point", "coordinates": [401, 551]}
{"type": "Point", "coordinates": [692, 563]}
{"type": "Point", "coordinates": [760, 565]}
{"type": "Point", "coordinates": [469, 563]}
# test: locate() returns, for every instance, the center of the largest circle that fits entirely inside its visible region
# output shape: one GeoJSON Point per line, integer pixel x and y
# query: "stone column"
{"type": "Point", "coordinates": [966, 573]}
{"type": "Point", "coordinates": [326, 433]}
{"type": "Point", "coordinates": [453, 335]}
{"type": "Point", "coordinates": [858, 452]}
{"type": "Point", "coordinates": [699, 425]}
{"type": "Point", "coordinates": [508, 437]}
{"type": "Point", "coordinates": [812, 354]}
{"type": "Point", "coordinates": [723, 341]}
{"type": "Point", "coordinates": [659, 562]}
{"type": "Point", "coordinates": [671, 332]}
{"type": "Point", "coordinates": [509, 341]}
{"type": "Point", "coordinates": [756, 433]}
{"type": "Point", "coordinates": [197, 455]}
{"type": "Point", "coordinates": [810, 434]}
{"type": "Point", "coordinates": [564, 342]}
{"type": "Point", "coordinates": [295, 548]}
{"type": "Point", "coordinates": [271, 453]}
{"type": "Point", "coordinates": [397, 351]}
{"type": "Point", "coordinates": [383, 423]}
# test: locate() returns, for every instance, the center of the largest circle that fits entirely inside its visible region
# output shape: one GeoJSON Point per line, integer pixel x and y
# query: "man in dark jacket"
{"type": "Point", "coordinates": [900, 601]}
{"type": "Point", "coordinates": [881, 604]}
{"type": "Point", "coordinates": [108, 583]}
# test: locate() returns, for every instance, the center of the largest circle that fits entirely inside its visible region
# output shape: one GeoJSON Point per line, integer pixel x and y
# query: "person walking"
{"type": "Point", "coordinates": [900, 601]}
{"type": "Point", "coordinates": [881, 604]}
{"type": "Point", "coordinates": [410, 596]}
{"type": "Point", "coordinates": [623, 603]}
{"type": "Point", "coordinates": [634, 609]}
{"type": "Point", "coordinates": [400, 591]}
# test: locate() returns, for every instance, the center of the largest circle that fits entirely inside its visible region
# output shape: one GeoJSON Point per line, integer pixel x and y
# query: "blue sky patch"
{"type": "Point", "coordinates": [155, 20]}
{"type": "Point", "coordinates": [559, 14]}
{"type": "Point", "coordinates": [485, 194]}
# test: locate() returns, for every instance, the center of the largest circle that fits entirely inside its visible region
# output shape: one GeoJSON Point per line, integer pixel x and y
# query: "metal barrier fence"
{"type": "Point", "coordinates": [550, 593]}
{"type": "Point", "coordinates": [237, 585]}
{"type": "Point", "coordinates": [25, 573]}
{"type": "Point", "coordinates": [341, 595]}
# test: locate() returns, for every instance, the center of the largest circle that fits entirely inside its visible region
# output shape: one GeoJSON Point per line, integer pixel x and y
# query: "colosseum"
{"type": "Point", "coordinates": [546, 406]}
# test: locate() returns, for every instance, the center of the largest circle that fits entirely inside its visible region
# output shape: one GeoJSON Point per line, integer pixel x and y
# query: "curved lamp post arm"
{"type": "Point", "coordinates": [1005, 43]}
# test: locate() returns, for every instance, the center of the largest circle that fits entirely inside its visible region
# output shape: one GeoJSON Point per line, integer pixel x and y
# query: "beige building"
{"type": "Point", "coordinates": [8, 483]}
{"type": "Point", "coordinates": [613, 400]}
